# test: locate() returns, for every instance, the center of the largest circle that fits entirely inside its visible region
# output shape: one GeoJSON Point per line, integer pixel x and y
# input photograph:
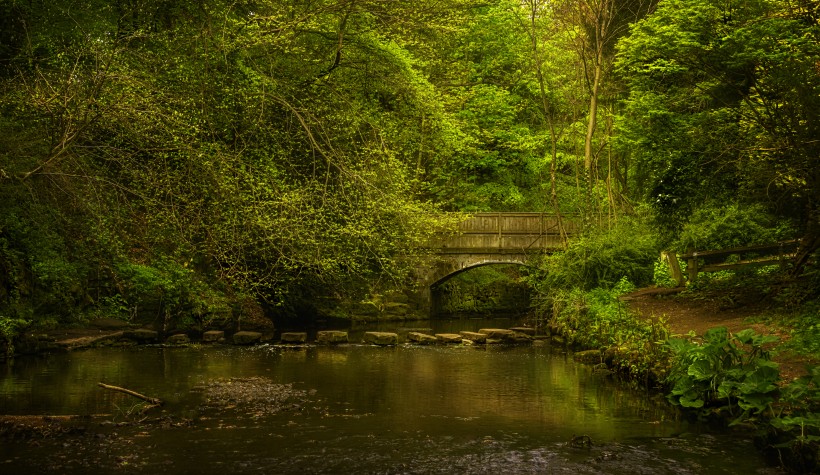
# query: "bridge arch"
{"type": "Point", "coordinates": [456, 272]}
{"type": "Point", "coordinates": [439, 296]}
{"type": "Point", "coordinates": [491, 238]}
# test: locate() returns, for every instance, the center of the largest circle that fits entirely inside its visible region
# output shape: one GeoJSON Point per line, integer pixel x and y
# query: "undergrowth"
{"type": "Point", "coordinates": [597, 319]}
{"type": "Point", "coordinates": [722, 375]}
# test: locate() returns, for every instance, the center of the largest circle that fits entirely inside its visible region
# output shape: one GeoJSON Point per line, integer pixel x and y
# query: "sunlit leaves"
{"type": "Point", "coordinates": [274, 145]}
{"type": "Point", "coordinates": [730, 88]}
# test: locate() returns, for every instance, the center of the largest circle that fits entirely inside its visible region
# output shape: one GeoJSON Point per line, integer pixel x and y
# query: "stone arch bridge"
{"type": "Point", "coordinates": [492, 238]}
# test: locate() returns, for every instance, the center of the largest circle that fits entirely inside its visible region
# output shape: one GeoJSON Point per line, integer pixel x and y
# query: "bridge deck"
{"type": "Point", "coordinates": [508, 233]}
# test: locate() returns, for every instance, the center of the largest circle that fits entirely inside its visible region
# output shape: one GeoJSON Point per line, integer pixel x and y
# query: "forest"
{"type": "Point", "coordinates": [191, 160]}
{"type": "Point", "coordinates": [189, 163]}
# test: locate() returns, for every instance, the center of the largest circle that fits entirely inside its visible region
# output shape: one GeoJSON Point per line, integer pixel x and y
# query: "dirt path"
{"type": "Point", "coordinates": [700, 313]}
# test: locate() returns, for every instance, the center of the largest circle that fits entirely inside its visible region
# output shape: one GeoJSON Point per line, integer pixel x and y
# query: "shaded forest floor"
{"type": "Point", "coordinates": [701, 310]}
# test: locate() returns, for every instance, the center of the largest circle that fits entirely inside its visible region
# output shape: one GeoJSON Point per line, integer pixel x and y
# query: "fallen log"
{"type": "Point", "coordinates": [151, 400]}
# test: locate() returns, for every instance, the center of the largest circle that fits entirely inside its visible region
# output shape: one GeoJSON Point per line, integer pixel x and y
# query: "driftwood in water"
{"type": "Point", "coordinates": [151, 400]}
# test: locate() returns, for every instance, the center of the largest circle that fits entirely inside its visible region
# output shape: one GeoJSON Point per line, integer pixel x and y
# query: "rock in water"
{"type": "Point", "coordinates": [330, 337]}
{"type": "Point", "coordinates": [421, 338]}
{"type": "Point", "coordinates": [178, 339]}
{"type": "Point", "coordinates": [246, 338]}
{"type": "Point", "coordinates": [213, 336]}
{"type": "Point", "coordinates": [381, 338]}
{"type": "Point", "coordinates": [475, 337]}
{"type": "Point", "coordinates": [448, 337]}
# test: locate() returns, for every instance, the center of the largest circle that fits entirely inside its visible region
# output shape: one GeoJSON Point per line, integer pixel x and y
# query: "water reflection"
{"type": "Point", "coordinates": [375, 410]}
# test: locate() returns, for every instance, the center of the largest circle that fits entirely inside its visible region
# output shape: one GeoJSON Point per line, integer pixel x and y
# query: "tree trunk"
{"type": "Point", "coordinates": [593, 117]}
{"type": "Point", "coordinates": [808, 244]}
{"type": "Point", "coordinates": [550, 122]}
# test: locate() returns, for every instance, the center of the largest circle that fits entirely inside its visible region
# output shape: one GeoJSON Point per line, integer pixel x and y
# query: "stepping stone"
{"type": "Point", "coordinates": [525, 330]}
{"type": "Point", "coordinates": [422, 338]}
{"type": "Point", "coordinates": [475, 337]}
{"type": "Point", "coordinates": [213, 336]}
{"type": "Point", "coordinates": [178, 339]}
{"type": "Point", "coordinates": [448, 337]}
{"type": "Point", "coordinates": [294, 337]}
{"type": "Point", "coordinates": [497, 333]}
{"type": "Point", "coordinates": [331, 337]}
{"type": "Point", "coordinates": [401, 330]}
{"type": "Point", "coordinates": [404, 332]}
{"type": "Point", "coordinates": [381, 338]}
{"type": "Point", "coordinates": [246, 338]}
{"type": "Point", "coordinates": [520, 338]}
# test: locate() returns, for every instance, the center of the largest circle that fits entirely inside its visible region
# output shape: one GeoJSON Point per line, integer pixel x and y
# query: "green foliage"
{"type": "Point", "coordinates": [728, 226]}
{"type": "Point", "coordinates": [492, 169]}
{"type": "Point", "coordinates": [662, 275]}
{"type": "Point", "coordinates": [801, 409]}
{"type": "Point", "coordinates": [164, 160]}
{"type": "Point", "coordinates": [598, 319]}
{"type": "Point", "coordinates": [9, 329]}
{"type": "Point", "coordinates": [578, 291]}
{"type": "Point", "coordinates": [173, 293]}
{"type": "Point", "coordinates": [724, 372]}
{"type": "Point", "coordinates": [804, 328]}
{"type": "Point", "coordinates": [184, 155]}
{"type": "Point", "coordinates": [484, 289]}
{"type": "Point", "coordinates": [601, 258]}
{"type": "Point", "coordinates": [723, 105]}
{"type": "Point", "coordinates": [795, 430]}
{"type": "Point", "coordinates": [801, 297]}
{"type": "Point", "coordinates": [42, 269]}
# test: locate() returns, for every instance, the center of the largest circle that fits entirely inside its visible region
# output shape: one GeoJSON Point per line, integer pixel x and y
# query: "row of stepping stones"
{"type": "Point", "coordinates": [422, 336]}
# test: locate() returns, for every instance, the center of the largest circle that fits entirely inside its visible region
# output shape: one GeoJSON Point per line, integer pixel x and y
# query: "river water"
{"type": "Point", "coordinates": [352, 409]}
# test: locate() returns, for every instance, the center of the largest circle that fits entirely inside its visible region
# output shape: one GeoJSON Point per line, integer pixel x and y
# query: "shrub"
{"type": "Point", "coordinates": [725, 372]}
{"type": "Point", "coordinates": [804, 329]}
{"type": "Point", "coordinates": [601, 258]}
{"type": "Point", "coordinates": [9, 329]}
{"type": "Point", "coordinates": [723, 227]}
{"type": "Point", "coordinates": [662, 275]}
{"type": "Point", "coordinates": [800, 421]}
{"type": "Point", "coordinates": [173, 291]}
{"type": "Point", "coordinates": [598, 319]}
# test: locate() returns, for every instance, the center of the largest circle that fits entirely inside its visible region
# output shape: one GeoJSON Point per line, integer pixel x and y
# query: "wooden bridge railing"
{"type": "Point", "coordinates": [713, 261]}
{"type": "Point", "coordinates": [509, 232]}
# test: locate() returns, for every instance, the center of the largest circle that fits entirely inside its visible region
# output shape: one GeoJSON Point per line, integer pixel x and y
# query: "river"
{"type": "Point", "coordinates": [352, 409]}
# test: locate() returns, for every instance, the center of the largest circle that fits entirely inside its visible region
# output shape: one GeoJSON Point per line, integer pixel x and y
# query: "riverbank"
{"type": "Point", "coordinates": [697, 312]}
{"type": "Point", "coordinates": [786, 425]}
{"type": "Point", "coordinates": [733, 355]}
